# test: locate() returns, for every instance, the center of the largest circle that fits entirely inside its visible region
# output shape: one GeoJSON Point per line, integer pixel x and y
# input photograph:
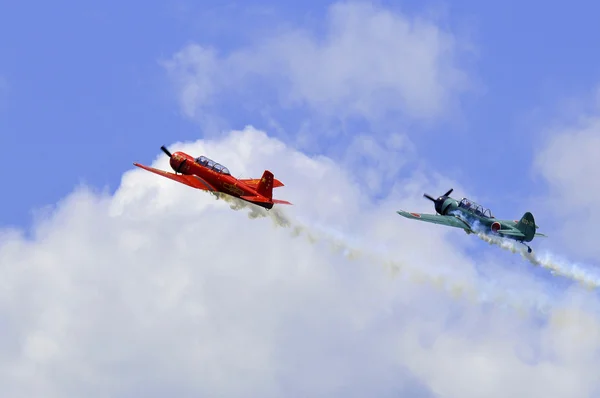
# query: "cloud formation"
{"type": "Point", "coordinates": [569, 162]}
{"type": "Point", "coordinates": [160, 289]}
{"type": "Point", "coordinates": [371, 62]}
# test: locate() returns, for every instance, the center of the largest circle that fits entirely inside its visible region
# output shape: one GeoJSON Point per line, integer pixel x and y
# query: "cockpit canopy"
{"type": "Point", "coordinates": [475, 208]}
{"type": "Point", "coordinates": [206, 162]}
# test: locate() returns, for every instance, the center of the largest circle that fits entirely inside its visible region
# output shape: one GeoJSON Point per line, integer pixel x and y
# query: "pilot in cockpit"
{"type": "Point", "coordinates": [202, 160]}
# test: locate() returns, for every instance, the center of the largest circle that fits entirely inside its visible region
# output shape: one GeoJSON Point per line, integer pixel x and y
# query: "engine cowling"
{"type": "Point", "coordinates": [496, 226]}
{"type": "Point", "coordinates": [180, 162]}
{"type": "Point", "coordinates": [448, 206]}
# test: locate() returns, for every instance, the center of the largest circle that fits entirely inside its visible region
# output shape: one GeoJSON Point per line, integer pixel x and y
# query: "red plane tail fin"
{"type": "Point", "coordinates": [265, 185]}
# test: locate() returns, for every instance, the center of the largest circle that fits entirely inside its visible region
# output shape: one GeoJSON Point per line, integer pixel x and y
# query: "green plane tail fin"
{"type": "Point", "coordinates": [527, 226]}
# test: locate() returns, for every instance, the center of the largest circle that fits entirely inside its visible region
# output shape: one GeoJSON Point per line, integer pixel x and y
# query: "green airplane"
{"type": "Point", "coordinates": [466, 214]}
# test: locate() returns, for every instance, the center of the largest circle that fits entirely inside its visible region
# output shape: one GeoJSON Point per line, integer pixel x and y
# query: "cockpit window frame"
{"type": "Point", "coordinates": [211, 164]}
{"type": "Point", "coordinates": [475, 208]}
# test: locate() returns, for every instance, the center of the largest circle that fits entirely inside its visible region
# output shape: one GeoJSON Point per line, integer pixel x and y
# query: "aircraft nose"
{"type": "Point", "coordinates": [439, 203]}
{"type": "Point", "coordinates": [176, 161]}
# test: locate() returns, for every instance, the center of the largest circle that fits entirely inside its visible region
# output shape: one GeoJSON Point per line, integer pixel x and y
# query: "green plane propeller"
{"type": "Point", "coordinates": [465, 214]}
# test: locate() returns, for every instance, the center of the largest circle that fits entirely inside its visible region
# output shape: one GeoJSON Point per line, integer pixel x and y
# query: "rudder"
{"type": "Point", "coordinates": [265, 185]}
{"type": "Point", "coordinates": [527, 226]}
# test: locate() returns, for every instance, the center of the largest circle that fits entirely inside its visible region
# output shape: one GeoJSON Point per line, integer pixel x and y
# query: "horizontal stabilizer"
{"type": "Point", "coordinates": [510, 232]}
{"type": "Point", "coordinates": [281, 202]}
{"type": "Point", "coordinates": [262, 199]}
{"type": "Point", "coordinates": [542, 235]}
{"type": "Point", "coordinates": [253, 182]}
{"type": "Point", "coordinates": [255, 198]}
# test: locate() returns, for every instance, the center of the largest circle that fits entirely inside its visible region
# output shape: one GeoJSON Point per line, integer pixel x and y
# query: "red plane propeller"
{"type": "Point", "coordinates": [165, 150]}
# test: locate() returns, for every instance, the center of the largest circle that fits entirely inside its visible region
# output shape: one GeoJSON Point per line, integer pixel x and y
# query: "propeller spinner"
{"type": "Point", "coordinates": [439, 202]}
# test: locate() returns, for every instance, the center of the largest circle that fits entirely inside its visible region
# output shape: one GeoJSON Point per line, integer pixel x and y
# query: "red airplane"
{"type": "Point", "coordinates": [203, 173]}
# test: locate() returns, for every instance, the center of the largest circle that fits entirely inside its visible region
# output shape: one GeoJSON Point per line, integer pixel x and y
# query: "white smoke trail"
{"type": "Point", "coordinates": [562, 268]}
{"type": "Point", "coordinates": [482, 292]}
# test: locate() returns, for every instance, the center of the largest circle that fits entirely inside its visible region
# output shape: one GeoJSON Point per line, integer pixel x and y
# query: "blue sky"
{"type": "Point", "coordinates": [498, 98]}
{"type": "Point", "coordinates": [85, 93]}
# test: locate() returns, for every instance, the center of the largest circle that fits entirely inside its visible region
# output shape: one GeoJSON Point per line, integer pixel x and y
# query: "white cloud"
{"type": "Point", "coordinates": [376, 164]}
{"type": "Point", "coordinates": [371, 61]}
{"type": "Point", "coordinates": [569, 162]}
{"type": "Point", "coordinates": [163, 290]}
{"type": "Point", "coordinates": [567, 347]}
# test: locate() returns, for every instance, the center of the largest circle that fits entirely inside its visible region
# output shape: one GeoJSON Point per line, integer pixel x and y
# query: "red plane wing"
{"type": "Point", "coordinates": [253, 182]}
{"type": "Point", "coordinates": [189, 180]}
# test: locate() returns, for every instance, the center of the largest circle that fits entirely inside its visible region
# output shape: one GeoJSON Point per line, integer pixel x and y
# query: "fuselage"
{"type": "Point", "coordinates": [473, 215]}
{"type": "Point", "coordinates": [223, 182]}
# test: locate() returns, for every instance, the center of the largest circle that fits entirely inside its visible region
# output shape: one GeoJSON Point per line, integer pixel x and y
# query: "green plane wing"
{"type": "Point", "coordinates": [450, 221]}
